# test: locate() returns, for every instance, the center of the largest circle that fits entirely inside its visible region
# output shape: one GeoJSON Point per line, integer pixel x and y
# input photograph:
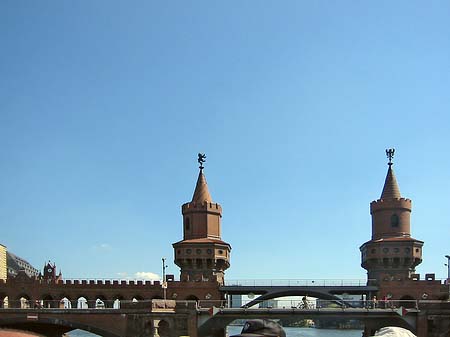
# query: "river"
{"type": "Point", "coordinates": [290, 332]}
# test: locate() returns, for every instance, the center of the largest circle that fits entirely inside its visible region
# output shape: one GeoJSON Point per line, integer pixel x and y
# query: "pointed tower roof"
{"type": "Point", "coordinates": [390, 189]}
{"type": "Point", "coordinates": [201, 193]}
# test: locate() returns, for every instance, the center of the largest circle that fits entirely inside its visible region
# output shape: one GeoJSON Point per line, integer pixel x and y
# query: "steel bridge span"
{"type": "Point", "coordinates": [322, 289]}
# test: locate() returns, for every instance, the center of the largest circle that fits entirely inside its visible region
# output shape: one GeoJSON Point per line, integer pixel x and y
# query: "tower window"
{"type": "Point", "coordinates": [394, 220]}
{"type": "Point", "coordinates": [187, 224]}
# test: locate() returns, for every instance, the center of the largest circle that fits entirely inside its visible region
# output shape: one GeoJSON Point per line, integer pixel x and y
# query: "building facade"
{"type": "Point", "coordinates": [16, 263]}
{"type": "Point", "coordinates": [3, 263]}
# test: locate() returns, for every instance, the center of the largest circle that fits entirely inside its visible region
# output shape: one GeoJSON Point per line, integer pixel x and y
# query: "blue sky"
{"type": "Point", "coordinates": [104, 106]}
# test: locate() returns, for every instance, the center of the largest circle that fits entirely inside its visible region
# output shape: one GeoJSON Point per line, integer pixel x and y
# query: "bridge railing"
{"type": "Point", "coordinates": [297, 282]}
{"type": "Point", "coordinates": [288, 304]}
{"type": "Point", "coordinates": [317, 304]}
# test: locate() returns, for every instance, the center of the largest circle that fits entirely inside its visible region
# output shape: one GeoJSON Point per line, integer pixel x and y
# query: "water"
{"type": "Point", "coordinates": [307, 332]}
{"type": "Point", "coordinates": [290, 332]}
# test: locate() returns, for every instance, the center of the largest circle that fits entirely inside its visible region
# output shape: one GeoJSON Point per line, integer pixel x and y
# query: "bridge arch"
{"type": "Point", "coordinates": [294, 292]}
{"type": "Point", "coordinates": [3, 300]}
{"type": "Point", "coordinates": [65, 303]}
{"type": "Point", "coordinates": [163, 328]}
{"type": "Point", "coordinates": [137, 298]}
{"type": "Point", "coordinates": [117, 301]}
{"type": "Point", "coordinates": [82, 302]}
{"type": "Point", "coordinates": [407, 301]}
{"type": "Point", "coordinates": [48, 301]}
{"type": "Point", "coordinates": [100, 303]}
{"type": "Point", "coordinates": [191, 298]}
{"type": "Point", "coordinates": [22, 301]}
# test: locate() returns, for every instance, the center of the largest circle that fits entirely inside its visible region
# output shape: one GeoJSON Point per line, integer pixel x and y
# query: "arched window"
{"type": "Point", "coordinates": [187, 224]}
{"type": "Point", "coordinates": [394, 220]}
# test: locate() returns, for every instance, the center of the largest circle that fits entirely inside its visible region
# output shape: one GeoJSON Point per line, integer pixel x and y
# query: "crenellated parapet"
{"type": "Point", "coordinates": [209, 207]}
{"type": "Point", "coordinates": [397, 203]}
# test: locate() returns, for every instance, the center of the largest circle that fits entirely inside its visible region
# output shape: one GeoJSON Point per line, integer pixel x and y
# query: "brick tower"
{"type": "Point", "coordinates": [202, 255]}
{"type": "Point", "coordinates": [391, 254]}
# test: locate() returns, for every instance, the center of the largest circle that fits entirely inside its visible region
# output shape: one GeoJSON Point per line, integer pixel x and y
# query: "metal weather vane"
{"type": "Point", "coordinates": [201, 159]}
{"type": "Point", "coordinates": [390, 155]}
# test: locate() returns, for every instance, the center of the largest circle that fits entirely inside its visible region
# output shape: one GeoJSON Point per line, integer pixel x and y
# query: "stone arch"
{"type": "Point", "coordinates": [407, 301]}
{"type": "Point", "coordinates": [191, 298]}
{"type": "Point", "coordinates": [82, 302]}
{"type": "Point", "coordinates": [101, 302]}
{"type": "Point", "coordinates": [137, 298]}
{"type": "Point", "coordinates": [163, 328]}
{"type": "Point", "coordinates": [117, 301]}
{"type": "Point", "coordinates": [47, 301]}
{"type": "Point", "coordinates": [3, 300]}
{"type": "Point", "coordinates": [23, 301]}
{"type": "Point", "coordinates": [65, 303]}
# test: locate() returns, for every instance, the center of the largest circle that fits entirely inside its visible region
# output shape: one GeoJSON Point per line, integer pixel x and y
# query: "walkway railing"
{"type": "Point", "coordinates": [298, 283]}
{"type": "Point", "coordinates": [279, 304]}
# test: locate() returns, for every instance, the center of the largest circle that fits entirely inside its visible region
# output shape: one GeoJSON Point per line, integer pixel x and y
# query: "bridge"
{"type": "Point", "coordinates": [323, 289]}
{"type": "Point", "coordinates": [175, 318]}
{"type": "Point", "coordinates": [136, 308]}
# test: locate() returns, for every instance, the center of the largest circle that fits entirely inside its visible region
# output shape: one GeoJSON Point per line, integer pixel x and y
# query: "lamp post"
{"type": "Point", "coordinates": [448, 274]}
{"type": "Point", "coordinates": [448, 267]}
{"type": "Point", "coordinates": [164, 282]}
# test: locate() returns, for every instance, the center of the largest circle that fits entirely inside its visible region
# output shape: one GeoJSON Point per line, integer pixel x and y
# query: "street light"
{"type": "Point", "coordinates": [448, 274]}
{"type": "Point", "coordinates": [164, 282]}
{"type": "Point", "coordinates": [448, 266]}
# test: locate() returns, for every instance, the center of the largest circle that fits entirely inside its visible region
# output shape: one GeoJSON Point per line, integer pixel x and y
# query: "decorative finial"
{"type": "Point", "coordinates": [201, 159]}
{"type": "Point", "coordinates": [390, 155]}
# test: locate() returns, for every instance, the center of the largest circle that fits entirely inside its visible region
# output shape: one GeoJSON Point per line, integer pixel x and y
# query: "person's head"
{"type": "Point", "coordinates": [391, 331]}
{"type": "Point", "coordinates": [261, 328]}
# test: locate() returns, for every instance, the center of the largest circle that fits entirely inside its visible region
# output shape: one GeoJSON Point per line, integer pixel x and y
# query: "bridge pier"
{"type": "Point", "coordinates": [422, 324]}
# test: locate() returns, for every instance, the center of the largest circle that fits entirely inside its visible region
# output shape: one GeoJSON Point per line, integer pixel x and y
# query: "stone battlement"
{"type": "Point", "coordinates": [390, 203]}
{"type": "Point", "coordinates": [86, 282]}
{"type": "Point", "coordinates": [205, 206]}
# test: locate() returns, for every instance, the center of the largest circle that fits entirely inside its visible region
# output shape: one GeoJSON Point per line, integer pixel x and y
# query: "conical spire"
{"type": "Point", "coordinates": [201, 193]}
{"type": "Point", "coordinates": [390, 189]}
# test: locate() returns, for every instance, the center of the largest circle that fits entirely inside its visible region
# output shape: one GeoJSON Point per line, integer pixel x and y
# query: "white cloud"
{"type": "Point", "coordinates": [140, 275]}
{"type": "Point", "coordinates": [123, 275]}
{"type": "Point", "coordinates": [102, 247]}
{"type": "Point", "coordinates": [146, 275]}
